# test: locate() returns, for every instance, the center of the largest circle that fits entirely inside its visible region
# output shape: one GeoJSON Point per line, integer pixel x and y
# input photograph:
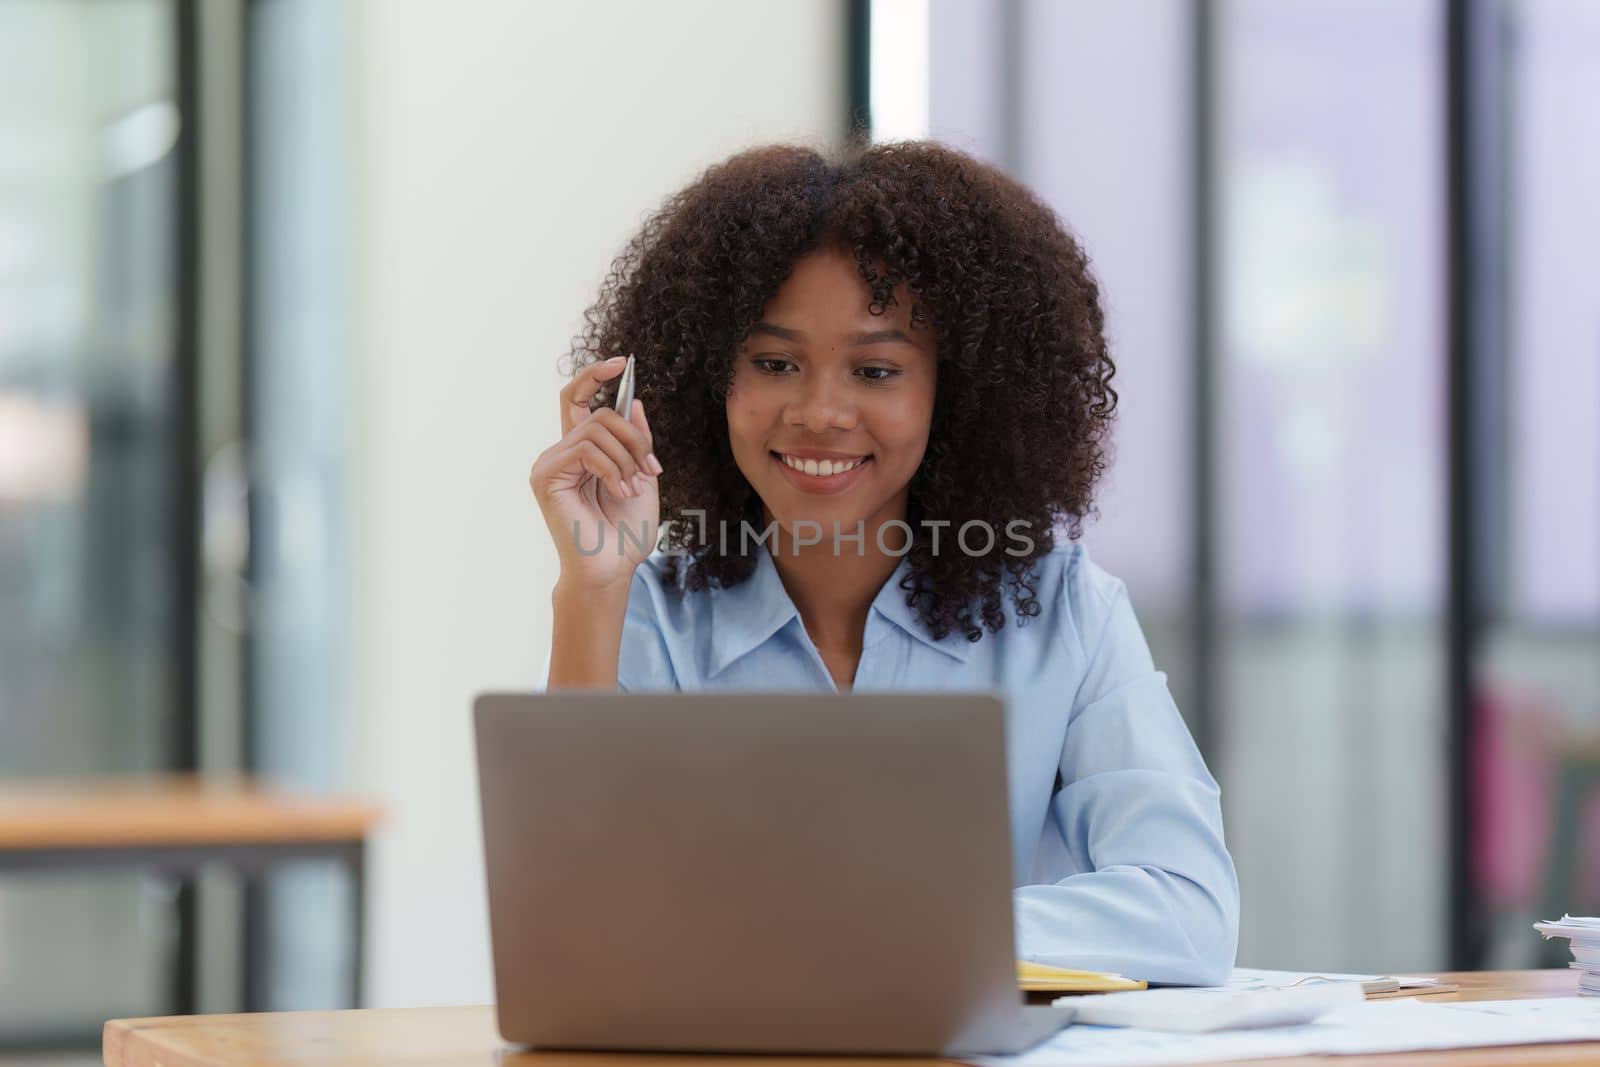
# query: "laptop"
{"type": "Point", "coordinates": [752, 872]}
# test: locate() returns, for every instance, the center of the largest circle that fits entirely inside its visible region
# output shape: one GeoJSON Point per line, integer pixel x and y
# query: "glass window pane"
{"type": "Point", "coordinates": [1331, 472]}
{"type": "Point", "coordinates": [1536, 770]}
{"type": "Point", "coordinates": [87, 128]}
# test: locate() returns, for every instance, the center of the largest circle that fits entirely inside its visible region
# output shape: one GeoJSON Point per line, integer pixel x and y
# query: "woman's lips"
{"type": "Point", "coordinates": [816, 483]}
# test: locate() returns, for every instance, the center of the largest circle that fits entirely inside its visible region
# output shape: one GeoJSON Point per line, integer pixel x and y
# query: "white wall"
{"type": "Point", "coordinates": [505, 151]}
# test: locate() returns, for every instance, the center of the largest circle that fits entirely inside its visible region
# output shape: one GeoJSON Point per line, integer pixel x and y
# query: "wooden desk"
{"type": "Point", "coordinates": [176, 825]}
{"type": "Point", "coordinates": [69, 818]}
{"type": "Point", "coordinates": [465, 1037]}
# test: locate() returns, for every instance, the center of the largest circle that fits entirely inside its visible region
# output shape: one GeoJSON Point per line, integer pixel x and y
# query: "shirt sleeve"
{"type": "Point", "coordinates": [644, 662]}
{"type": "Point", "coordinates": [1157, 896]}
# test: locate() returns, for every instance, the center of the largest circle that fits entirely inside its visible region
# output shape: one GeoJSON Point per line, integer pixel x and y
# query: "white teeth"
{"type": "Point", "coordinates": [823, 469]}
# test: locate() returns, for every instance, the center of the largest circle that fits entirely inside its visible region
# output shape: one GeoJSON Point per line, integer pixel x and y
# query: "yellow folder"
{"type": "Point", "coordinates": [1041, 978]}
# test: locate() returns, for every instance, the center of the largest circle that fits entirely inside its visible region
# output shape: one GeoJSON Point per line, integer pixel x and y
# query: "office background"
{"type": "Point", "coordinates": [282, 288]}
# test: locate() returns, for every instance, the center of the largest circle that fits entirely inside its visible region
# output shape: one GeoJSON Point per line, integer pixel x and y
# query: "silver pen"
{"type": "Point", "coordinates": [624, 402]}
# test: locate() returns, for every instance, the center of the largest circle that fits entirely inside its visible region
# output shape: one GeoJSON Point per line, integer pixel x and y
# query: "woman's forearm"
{"type": "Point", "coordinates": [586, 641]}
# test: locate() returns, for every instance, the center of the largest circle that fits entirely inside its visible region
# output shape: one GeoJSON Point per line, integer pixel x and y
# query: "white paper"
{"type": "Point", "coordinates": [1254, 978]}
{"type": "Point", "coordinates": [1369, 1027]}
{"type": "Point", "coordinates": [1205, 1010]}
{"type": "Point", "coordinates": [1587, 954]}
{"type": "Point", "coordinates": [1102, 1046]}
{"type": "Point", "coordinates": [1580, 1009]}
{"type": "Point", "coordinates": [1580, 928]}
{"type": "Point", "coordinates": [1409, 1026]}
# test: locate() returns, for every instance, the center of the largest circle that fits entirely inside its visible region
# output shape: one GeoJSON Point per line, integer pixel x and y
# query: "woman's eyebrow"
{"type": "Point", "coordinates": [782, 332]}
{"type": "Point", "coordinates": [869, 338]}
{"type": "Point", "coordinates": [879, 336]}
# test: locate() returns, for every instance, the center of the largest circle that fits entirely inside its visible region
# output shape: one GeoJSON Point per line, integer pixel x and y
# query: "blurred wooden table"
{"type": "Point", "coordinates": [66, 821]}
{"type": "Point", "coordinates": [466, 1037]}
{"type": "Point", "coordinates": [175, 825]}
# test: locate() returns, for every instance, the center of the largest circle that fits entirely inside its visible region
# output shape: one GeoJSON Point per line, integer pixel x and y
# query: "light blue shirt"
{"type": "Point", "coordinates": [1124, 868]}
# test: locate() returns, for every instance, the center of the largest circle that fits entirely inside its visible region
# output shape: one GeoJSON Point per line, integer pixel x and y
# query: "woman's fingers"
{"type": "Point", "coordinates": [624, 443]}
{"type": "Point", "coordinates": [633, 441]}
{"type": "Point", "coordinates": [598, 462]}
{"type": "Point", "coordinates": [606, 446]}
{"type": "Point", "coordinates": [576, 394]}
{"type": "Point", "coordinates": [565, 463]}
{"type": "Point", "coordinates": [633, 431]}
{"type": "Point", "coordinates": [636, 417]}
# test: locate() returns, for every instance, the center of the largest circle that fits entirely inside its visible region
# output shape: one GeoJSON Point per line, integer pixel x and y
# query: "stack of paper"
{"type": "Point", "coordinates": [1585, 936]}
{"type": "Point", "coordinates": [1042, 978]}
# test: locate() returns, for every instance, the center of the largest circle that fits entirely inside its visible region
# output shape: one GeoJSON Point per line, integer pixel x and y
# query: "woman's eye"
{"type": "Point", "coordinates": [777, 367]}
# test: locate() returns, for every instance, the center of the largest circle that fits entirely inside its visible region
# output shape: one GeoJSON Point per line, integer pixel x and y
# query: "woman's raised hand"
{"type": "Point", "coordinates": [597, 486]}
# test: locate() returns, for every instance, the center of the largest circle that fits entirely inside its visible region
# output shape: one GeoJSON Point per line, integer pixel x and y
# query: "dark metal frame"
{"type": "Point", "coordinates": [1476, 347]}
{"type": "Point", "coordinates": [255, 930]}
{"type": "Point", "coordinates": [186, 470]}
{"type": "Point", "coordinates": [1462, 629]}
{"type": "Point", "coordinates": [858, 72]}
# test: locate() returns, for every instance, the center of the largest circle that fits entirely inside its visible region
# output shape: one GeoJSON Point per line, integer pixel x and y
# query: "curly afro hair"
{"type": "Point", "coordinates": [1023, 405]}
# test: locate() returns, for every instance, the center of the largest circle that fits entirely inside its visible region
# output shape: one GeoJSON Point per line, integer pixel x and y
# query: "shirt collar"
{"type": "Point", "coordinates": [747, 615]}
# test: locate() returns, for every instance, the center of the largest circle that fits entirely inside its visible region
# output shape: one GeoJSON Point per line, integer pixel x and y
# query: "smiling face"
{"type": "Point", "coordinates": [830, 405]}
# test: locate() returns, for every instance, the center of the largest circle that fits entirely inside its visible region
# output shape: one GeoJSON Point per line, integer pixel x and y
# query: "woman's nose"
{"type": "Point", "coordinates": [821, 407]}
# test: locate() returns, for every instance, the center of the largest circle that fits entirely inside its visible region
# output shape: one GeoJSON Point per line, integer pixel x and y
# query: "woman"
{"type": "Point", "coordinates": [879, 401]}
